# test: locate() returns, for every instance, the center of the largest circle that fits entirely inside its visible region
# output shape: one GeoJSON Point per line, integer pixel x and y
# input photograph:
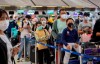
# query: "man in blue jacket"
{"type": "Point", "coordinates": [70, 39]}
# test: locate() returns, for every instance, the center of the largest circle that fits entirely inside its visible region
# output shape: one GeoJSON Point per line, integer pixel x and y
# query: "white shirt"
{"type": "Point", "coordinates": [9, 47]}
{"type": "Point", "coordinates": [25, 31]}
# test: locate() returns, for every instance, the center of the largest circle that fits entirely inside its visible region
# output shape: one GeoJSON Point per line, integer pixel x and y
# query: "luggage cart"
{"type": "Point", "coordinates": [92, 49]}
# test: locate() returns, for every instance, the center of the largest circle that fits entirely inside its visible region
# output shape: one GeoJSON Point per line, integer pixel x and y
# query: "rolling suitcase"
{"type": "Point", "coordinates": [33, 51]}
{"type": "Point", "coordinates": [32, 54]}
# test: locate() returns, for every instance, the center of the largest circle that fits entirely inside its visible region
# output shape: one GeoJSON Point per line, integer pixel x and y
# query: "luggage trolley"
{"type": "Point", "coordinates": [92, 49]}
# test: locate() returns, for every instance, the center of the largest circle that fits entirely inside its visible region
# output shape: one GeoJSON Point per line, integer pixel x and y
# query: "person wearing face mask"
{"type": "Point", "coordinates": [57, 29]}
{"type": "Point", "coordinates": [5, 45]}
{"type": "Point", "coordinates": [25, 30]}
{"type": "Point", "coordinates": [12, 24]}
{"type": "Point", "coordinates": [70, 39]}
{"type": "Point", "coordinates": [50, 40]}
{"type": "Point", "coordinates": [34, 20]}
{"type": "Point", "coordinates": [77, 21]}
{"type": "Point", "coordinates": [45, 24]}
{"type": "Point", "coordinates": [42, 35]}
{"type": "Point", "coordinates": [85, 25]}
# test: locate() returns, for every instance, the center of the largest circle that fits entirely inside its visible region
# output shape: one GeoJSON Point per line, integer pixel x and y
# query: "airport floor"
{"type": "Point", "coordinates": [23, 62]}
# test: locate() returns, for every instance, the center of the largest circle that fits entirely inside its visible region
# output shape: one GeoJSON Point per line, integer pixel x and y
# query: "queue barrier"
{"type": "Point", "coordinates": [76, 53]}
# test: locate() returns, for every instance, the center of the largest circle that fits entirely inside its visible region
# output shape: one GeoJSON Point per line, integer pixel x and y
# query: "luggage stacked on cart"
{"type": "Point", "coordinates": [90, 49]}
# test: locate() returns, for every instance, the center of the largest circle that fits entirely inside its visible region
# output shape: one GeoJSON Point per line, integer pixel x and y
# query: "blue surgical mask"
{"type": "Point", "coordinates": [40, 28]}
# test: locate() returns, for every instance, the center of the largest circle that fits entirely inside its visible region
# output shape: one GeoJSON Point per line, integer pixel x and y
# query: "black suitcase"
{"type": "Point", "coordinates": [32, 54]}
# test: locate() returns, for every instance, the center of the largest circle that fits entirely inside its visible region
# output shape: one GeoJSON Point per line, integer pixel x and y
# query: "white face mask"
{"type": "Point", "coordinates": [43, 22]}
{"type": "Point", "coordinates": [86, 18]}
{"type": "Point", "coordinates": [64, 16]}
{"type": "Point", "coordinates": [33, 22]}
{"type": "Point", "coordinates": [4, 25]}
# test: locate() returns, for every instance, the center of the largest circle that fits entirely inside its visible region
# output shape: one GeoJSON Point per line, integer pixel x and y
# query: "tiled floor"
{"type": "Point", "coordinates": [23, 62]}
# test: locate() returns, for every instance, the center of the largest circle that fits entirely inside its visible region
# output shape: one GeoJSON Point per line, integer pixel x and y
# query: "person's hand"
{"type": "Point", "coordinates": [76, 45]}
{"type": "Point", "coordinates": [15, 51]}
{"type": "Point", "coordinates": [68, 47]}
{"type": "Point", "coordinates": [25, 27]}
{"type": "Point", "coordinates": [86, 29]}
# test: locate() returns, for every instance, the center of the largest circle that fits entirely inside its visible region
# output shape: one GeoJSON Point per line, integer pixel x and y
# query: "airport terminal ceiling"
{"type": "Point", "coordinates": [50, 3]}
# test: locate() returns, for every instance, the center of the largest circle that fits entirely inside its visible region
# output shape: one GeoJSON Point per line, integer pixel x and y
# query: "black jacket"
{"type": "Point", "coordinates": [3, 52]}
{"type": "Point", "coordinates": [95, 30]}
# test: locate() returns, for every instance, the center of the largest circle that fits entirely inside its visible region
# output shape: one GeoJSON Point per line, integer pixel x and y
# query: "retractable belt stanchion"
{"type": "Point", "coordinates": [11, 36]}
{"type": "Point", "coordinates": [80, 57]}
{"type": "Point", "coordinates": [35, 52]}
{"type": "Point", "coordinates": [24, 47]}
{"type": "Point", "coordinates": [55, 53]}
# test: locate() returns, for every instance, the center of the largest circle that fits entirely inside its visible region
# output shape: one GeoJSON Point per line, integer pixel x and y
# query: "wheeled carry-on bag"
{"type": "Point", "coordinates": [33, 54]}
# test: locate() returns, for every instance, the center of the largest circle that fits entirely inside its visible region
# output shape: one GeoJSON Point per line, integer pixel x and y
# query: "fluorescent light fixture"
{"type": "Point", "coordinates": [51, 6]}
{"type": "Point", "coordinates": [37, 6]}
{"type": "Point", "coordinates": [65, 6]}
{"type": "Point", "coordinates": [4, 5]}
{"type": "Point", "coordinates": [22, 6]}
{"type": "Point", "coordinates": [79, 7]}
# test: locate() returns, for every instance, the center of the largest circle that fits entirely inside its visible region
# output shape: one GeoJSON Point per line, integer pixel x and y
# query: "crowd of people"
{"type": "Point", "coordinates": [65, 31]}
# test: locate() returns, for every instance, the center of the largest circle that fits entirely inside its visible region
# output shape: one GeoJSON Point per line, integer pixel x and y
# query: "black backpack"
{"type": "Point", "coordinates": [47, 27]}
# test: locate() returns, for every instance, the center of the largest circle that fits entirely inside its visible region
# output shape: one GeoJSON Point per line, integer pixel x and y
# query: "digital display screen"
{"type": "Point", "coordinates": [20, 11]}
{"type": "Point", "coordinates": [30, 12]}
{"type": "Point", "coordinates": [75, 14]}
{"type": "Point", "coordinates": [11, 12]}
{"type": "Point", "coordinates": [50, 12]}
